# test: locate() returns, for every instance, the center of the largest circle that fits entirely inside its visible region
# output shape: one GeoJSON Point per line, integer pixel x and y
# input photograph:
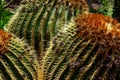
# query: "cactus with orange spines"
{"type": "Point", "coordinates": [85, 49]}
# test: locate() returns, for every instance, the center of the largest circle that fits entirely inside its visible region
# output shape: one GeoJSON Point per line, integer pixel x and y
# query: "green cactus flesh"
{"type": "Point", "coordinates": [17, 60]}
{"type": "Point", "coordinates": [85, 49]}
{"type": "Point", "coordinates": [38, 23]}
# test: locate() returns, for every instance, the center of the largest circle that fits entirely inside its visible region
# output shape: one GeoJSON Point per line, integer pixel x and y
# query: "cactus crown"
{"type": "Point", "coordinates": [4, 40]}
{"type": "Point", "coordinates": [105, 29]}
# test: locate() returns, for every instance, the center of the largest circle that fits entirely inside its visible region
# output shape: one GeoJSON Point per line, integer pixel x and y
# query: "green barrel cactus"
{"type": "Point", "coordinates": [87, 48]}
{"type": "Point", "coordinates": [38, 22]}
{"type": "Point", "coordinates": [17, 60]}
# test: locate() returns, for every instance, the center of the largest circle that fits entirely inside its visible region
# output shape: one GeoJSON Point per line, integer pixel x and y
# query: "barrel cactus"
{"type": "Point", "coordinates": [39, 21]}
{"type": "Point", "coordinates": [17, 59]}
{"type": "Point", "coordinates": [87, 48]}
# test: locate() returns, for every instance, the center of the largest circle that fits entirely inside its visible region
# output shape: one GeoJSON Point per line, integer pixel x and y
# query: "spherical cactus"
{"type": "Point", "coordinates": [38, 22]}
{"type": "Point", "coordinates": [17, 59]}
{"type": "Point", "coordinates": [88, 48]}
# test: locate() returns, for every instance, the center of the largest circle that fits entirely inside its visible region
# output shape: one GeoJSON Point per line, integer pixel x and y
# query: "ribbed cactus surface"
{"type": "Point", "coordinates": [17, 59]}
{"type": "Point", "coordinates": [38, 22]}
{"type": "Point", "coordinates": [86, 49]}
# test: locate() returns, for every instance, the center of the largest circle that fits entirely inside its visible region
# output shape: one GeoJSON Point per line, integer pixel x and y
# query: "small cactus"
{"type": "Point", "coordinates": [88, 48]}
{"type": "Point", "coordinates": [17, 61]}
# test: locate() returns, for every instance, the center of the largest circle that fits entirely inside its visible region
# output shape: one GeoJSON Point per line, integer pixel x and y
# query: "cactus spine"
{"type": "Point", "coordinates": [87, 49]}
{"type": "Point", "coordinates": [16, 59]}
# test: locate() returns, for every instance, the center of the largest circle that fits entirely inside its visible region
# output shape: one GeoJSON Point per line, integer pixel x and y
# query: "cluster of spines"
{"type": "Point", "coordinates": [17, 61]}
{"type": "Point", "coordinates": [105, 30]}
{"type": "Point", "coordinates": [73, 55]}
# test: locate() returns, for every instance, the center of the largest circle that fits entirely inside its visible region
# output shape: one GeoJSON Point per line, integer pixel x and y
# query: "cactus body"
{"type": "Point", "coordinates": [38, 23]}
{"type": "Point", "coordinates": [87, 49]}
{"type": "Point", "coordinates": [16, 59]}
